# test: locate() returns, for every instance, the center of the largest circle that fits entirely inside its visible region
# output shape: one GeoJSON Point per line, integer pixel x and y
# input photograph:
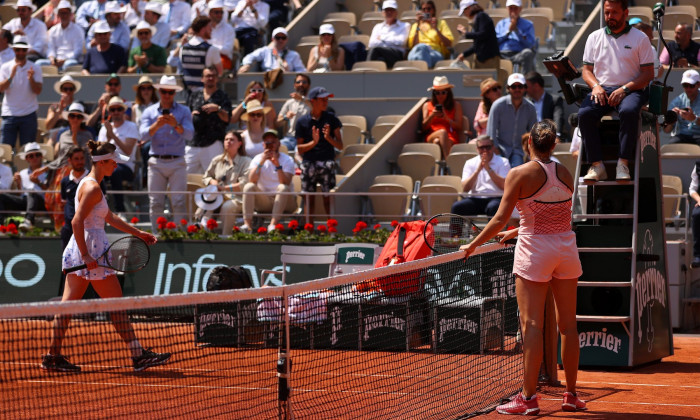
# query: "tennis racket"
{"type": "Point", "coordinates": [127, 254]}
{"type": "Point", "coordinates": [449, 232]}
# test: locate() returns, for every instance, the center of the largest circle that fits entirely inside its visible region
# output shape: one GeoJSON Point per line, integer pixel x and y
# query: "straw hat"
{"type": "Point", "coordinates": [168, 83]}
{"type": "Point", "coordinates": [441, 83]}
{"type": "Point", "coordinates": [75, 108]}
{"type": "Point", "coordinates": [487, 84]}
{"type": "Point", "coordinates": [116, 101]}
{"type": "Point", "coordinates": [143, 80]}
{"type": "Point", "coordinates": [208, 198]}
{"type": "Point", "coordinates": [144, 25]}
{"type": "Point", "coordinates": [66, 79]}
{"type": "Point", "coordinates": [252, 106]}
{"type": "Point", "coordinates": [30, 147]}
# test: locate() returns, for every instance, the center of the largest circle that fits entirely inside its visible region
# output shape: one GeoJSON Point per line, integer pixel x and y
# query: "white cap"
{"type": "Point", "coordinates": [154, 7]}
{"type": "Point", "coordinates": [145, 25]}
{"type": "Point", "coordinates": [390, 4]}
{"type": "Point", "coordinates": [516, 78]}
{"type": "Point", "coordinates": [114, 7]}
{"type": "Point", "coordinates": [102, 27]}
{"type": "Point", "coordinates": [215, 4]}
{"type": "Point", "coordinates": [64, 4]}
{"type": "Point", "coordinates": [464, 4]}
{"type": "Point", "coordinates": [20, 41]}
{"type": "Point", "coordinates": [279, 30]}
{"type": "Point", "coordinates": [690, 76]}
{"type": "Point", "coordinates": [326, 28]}
{"type": "Point", "coordinates": [25, 3]}
{"type": "Point", "coordinates": [518, 3]}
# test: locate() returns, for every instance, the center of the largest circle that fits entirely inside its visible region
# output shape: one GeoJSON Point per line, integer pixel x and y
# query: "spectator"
{"type": "Point", "coordinates": [250, 17]}
{"type": "Point", "coordinates": [125, 135]}
{"type": "Point", "coordinates": [145, 96]}
{"type": "Point", "coordinates": [511, 116]}
{"type": "Point", "coordinates": [135, 13]}
{"type": "Point", "coordinates": [228, 172]}
{"type": "Point", "coordinates": [327, 55]}
{"type": "Point", "coordinates": [176, 14]}
{"type": "Point", "coordinates": [104, 57]}
{"type": "Point", "coordinates": [113, 87]}
{"type": "Point", "coordinates": [255, 90]}
{"type": "Point", "coordinates": [222, 34]}
{"type": "Point", "coordinates": [90, 12]}
{"type": "Point", "coordinates": [516, 38]}
{"type": "Point", "coordinates": [490, 91]}
{"type": "Point", "coordinates": [50, 14]}
{"type": "Point", "coordinates": [429, 38]}
{"type": "Point", "coordinates": [275, 57]}
{"type": "Point", "coordinates": [295, 107]}
{"type": "Point", "coordinates": [279, 12]}
{"type": "Point", "coordinates": [547, 106]}
{"type": "Point", "coordinates": [618, 64]}
{"type": "Point", "coordinates": [649, 32]}
{"type": "Point", "coordinates": [67, 88]}
{"type": "Point", "coordinates": [29, 202]}
{"type": "Point", "coordinates": [66, 40]}
{"type": "Point", "coordinates": [147, 57]}
{"type": "Point", "coordinates": [168, 125]}
{"type": "Point", "coordinates": [684, 51]}
{"type": "Point", "coordinates": [483, 174]}
{"type": "Point", "coordinates": [687, 106]}
{"type": "Point", "coordinates": [693, 192]}
{"type": "Point", "coordinates": [21, 82]}
{"type": "Point", "coordinates": [255, 129]}
{"type": "Point", "coordinates": [201, 8]}
{"type": "Point", "coordinates": [388, 40]}
{"type": "Point", "coordinates": [211, 111]}
{"type": "Point", "coordinates": [161, 32]}
{"type": "Point", "coordinates": [6, 52]}
{"type": "Point", "coordinates": [442, 116]}
{"type": "Point", "coordinates": [271, 172]}
{"type": "Point", "coordinates": [198, 53]}
{"type": "Point", "coordinates": [120, 32]}
{"type": "Point", "coordinates": [318, 136]}
{"type": "Point", "coordinates": [484, 36]}
{"type": "Point", "coordinates": [33, 29]}
{"type": "Point", "coordinates": [6, 175]}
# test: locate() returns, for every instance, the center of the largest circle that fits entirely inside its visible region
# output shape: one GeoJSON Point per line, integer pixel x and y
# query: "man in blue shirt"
{"type": "Point", "coordinates": [168, 125]}
{"type": "Point", "coordinates": [516, 38]}
{"type": "Point", "coordinates": [687, 106]}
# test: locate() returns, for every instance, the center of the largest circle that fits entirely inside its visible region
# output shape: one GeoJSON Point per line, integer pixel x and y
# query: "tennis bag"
{"type": "Point", "coordinates": [227, 278]}
{"type": "Point", "coordinates": [406, 243]}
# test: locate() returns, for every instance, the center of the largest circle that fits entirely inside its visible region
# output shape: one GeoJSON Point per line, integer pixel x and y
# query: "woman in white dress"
{"type": "Point", "coordinates": [88, 243]}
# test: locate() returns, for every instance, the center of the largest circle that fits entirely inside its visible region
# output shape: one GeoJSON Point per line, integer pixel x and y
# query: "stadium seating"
{"type": "Point", "coordinates": [354, 38]}
{"type": "Point", "coordinates": [568, 160]}
{"type": "Point", "coordinates": [369, 66]}
{"type": "Point", "coordinates": [366, 24]}
{"type": "Point", "coordinates": [681, 149]}
{"type": "Point", "coordinates": [387, 207]}
{"type": "Point", "coordinates": [560, 8]}
{"type": "Point", "coordinates": [679, 14]}
{"type": "Point", "coordinates": [451, 186]}
{"type": "Point", "coordinates": [353, 153]}
{"type": "Point", "coordinates": [410, 65]}
{"type": "Point", "coordinates": [418, 160]}
{"type": "Point", "coordinates": [671, 185]}
{"type": "Point", "coordinates": [642, 12]}
{"type": "Point", "coordinates": [456, 160]}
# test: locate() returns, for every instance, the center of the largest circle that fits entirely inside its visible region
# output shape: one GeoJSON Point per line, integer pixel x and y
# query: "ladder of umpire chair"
{"type": "Point", "coordinates": [610, 331]}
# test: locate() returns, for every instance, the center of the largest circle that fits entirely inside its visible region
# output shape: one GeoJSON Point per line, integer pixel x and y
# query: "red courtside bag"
{"type": "Point", "coordinates": [406, 243]}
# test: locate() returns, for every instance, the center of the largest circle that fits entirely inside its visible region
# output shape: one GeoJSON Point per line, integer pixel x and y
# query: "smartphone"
{"type": "Point", "coordinates": [438, 108]}
{"type": "Point", "coordinates": [166, 112]}
{"type": "Point", "coordinates": [426, 16]}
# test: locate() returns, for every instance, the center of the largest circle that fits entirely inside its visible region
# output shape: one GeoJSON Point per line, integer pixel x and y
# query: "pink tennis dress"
{"type": "Point", "coordinates": [95, 239]}
{"type": "Point", "coordinates": [546, 244]}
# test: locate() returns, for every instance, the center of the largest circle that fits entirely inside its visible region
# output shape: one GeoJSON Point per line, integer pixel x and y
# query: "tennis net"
{"type": "Point", "coordinates": [318, 349]}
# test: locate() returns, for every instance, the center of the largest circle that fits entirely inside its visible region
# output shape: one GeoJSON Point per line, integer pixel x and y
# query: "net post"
{"type": "Point", "coordinates": [284, 362]}
{"type": "Point", "coordinates": [548, 373]}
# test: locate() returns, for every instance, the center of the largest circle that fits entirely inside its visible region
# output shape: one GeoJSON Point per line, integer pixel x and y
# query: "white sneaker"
{"type": "Point", "coordinates": [622, 172]}
{"type": "Point", "coordinates": [25, 225]}
{"type": "Point", "coordinates": [245, 229]}
{"type": "Point", "coordinates": [596, 173]}
{"type": "Point", "coordinates": [271, 228]}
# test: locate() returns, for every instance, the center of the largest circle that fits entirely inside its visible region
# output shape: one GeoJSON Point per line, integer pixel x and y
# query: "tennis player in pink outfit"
{"type": "Point", "coordinates": [546, 255]}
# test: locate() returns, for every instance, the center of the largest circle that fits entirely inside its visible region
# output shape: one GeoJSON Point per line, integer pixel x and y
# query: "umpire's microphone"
{"type": "Point", "coordinates": [659, 10]}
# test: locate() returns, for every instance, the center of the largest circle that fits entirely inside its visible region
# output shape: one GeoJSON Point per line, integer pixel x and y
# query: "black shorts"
{"type": "Point", "coordinates": [321, 172]}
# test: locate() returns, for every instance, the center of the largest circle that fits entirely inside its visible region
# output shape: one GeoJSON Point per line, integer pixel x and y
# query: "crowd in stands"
{"type": "Point", "coordinates": [209, 39]}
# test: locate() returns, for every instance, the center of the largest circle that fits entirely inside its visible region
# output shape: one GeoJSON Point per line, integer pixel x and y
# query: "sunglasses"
{"type": "Point", "coordinates": [517, 86]}
{"type": "Point", "coordinates": [117, 109]}
{"type": "Point", "coordinates": [427, 9]}
{"type": "Point", "coordinates": [114, 84]}
{"type": "Point", "coordinates": [484, 148]}
{"type": "Point", "coordinates": [495, 89]}
{"type": "Point", "coordinates": [216, 12]}
{"type": "Point", "coordinates": [270, 143]}
{"type": "Point", "coordinates": [257, 90]}
{"type": "Point", "coordinates": [75, 116]}
{"type": "Point", "coordinates": [166, 92]}
{"type": "Point", "coordinates": [256, 115]}
{"type": "Point", "coordinates": [687, 86]}
{"type": "Point", "coordinates": [301, 82]}
{"type": "Point", "coordinates": [280, 38]}
{"type": "Point", "coordinates": [33, 155]}
{"type": "Point", "coordinates": [440, 92]}
{"type": "Point", "coordinates": [68, 89]}
{"type": "Point", "coordinates": [143, 33]}
{"type": "Point", "coordinates": [146, 87]}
